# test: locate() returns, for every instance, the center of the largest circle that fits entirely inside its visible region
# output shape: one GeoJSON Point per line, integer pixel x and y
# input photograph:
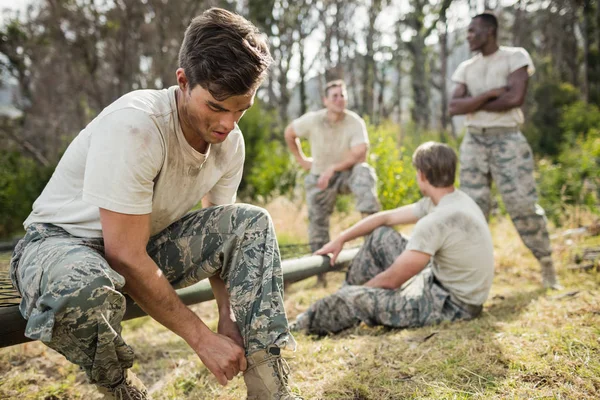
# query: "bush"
{"type": "Point", "coordinates": [268, 170]}
{"type": "Point", "coordinates": [21, 182]}
{"type": "Point", "coordinates": [543, 130]}
{"type": "Point", "coordinates": [396, 176]}
{"type": "Point", "coordinates": [574, 180]}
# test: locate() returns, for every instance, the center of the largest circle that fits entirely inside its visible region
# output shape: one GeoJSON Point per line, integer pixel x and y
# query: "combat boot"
{"type": "Point", "coordinates": [131, 388]}
{"type": "Point", "coordinates": [267, 376]}
{"type": "Point", "coordinates": [549, 278]}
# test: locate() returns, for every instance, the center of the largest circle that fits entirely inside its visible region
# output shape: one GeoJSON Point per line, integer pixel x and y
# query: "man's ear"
{"type": "Point", "coordinates": [182, 80]}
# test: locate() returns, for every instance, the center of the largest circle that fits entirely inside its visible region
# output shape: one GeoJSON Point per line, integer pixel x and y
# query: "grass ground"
{"type": "Point", "coordinates": [527, 344]}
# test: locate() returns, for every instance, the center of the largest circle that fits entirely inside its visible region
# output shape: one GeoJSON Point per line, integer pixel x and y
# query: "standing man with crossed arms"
{"type": "Point", "coordinates": [339, 144]}
{"type": "Point", "coordinates": [490, 89]}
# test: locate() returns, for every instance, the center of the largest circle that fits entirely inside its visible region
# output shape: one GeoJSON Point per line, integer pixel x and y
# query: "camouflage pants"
{"type": "Point", "coordinates": [73, 300]}
{"type": "Point", "coordinates": [507, 159]}
{"type": "Point", "coordinates": [361, 181]}
{"type": "Point", "coordinates": [420, 301]}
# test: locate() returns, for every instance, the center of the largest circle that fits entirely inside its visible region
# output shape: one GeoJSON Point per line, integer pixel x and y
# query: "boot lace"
{"type": "Point", "coordinates": [125, 391]}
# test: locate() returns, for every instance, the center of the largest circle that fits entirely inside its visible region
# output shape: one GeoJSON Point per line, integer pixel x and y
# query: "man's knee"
{"type": "Point", "coordinates": [71, 302]}
{"type": "Point", "coordinates": [251, 215]}
{"type": "Point", "coordinates": [364, 172]}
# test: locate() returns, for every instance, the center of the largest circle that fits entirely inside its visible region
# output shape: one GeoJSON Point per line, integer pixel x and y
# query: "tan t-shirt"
{"type": "Point", "coordinates": [456, 234]}
{"type": "Point", "coordinates": [133, 159]}
{"type": "Point", "coordinates": [482, 73]}
{"type": "Point", "coordinates": [329, 143]}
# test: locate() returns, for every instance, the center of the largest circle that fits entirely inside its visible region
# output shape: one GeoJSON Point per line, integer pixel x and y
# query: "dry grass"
{"type": "Point", "coordinates": [527, 344]}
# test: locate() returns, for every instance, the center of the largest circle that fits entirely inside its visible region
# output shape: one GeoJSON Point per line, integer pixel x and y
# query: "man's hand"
{"type": "Point", "coordinates": [306, 163]}
{"type": "Point", "coordinates": [334, 248]}
{"type": "Point", "coordinates": [323, 181]}
{"type": "Point", "coordinates": [228, 327]}
{"type": "Point", "coordinates": [222, 356]}
{"type": "Point", "coordinates": [497, 92]}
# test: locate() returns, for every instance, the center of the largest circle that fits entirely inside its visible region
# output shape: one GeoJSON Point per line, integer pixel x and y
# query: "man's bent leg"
{"type": "Point", "coordinates": [420, 303]}
{"type": "Point", "coordinates": [320, 205]}
{"type": "Point", "coordinates": [475, 177]}
{"type": "Point", "coordinates": [363, 185]}
{"type": "Point", "coordinates": [377, 253]}
{"type": "Point", "coordinates": [512, 169]}
{"type": "Point", "coordinates": [72, 303]}
{"type": "Point", "coordinates": [237, 242]}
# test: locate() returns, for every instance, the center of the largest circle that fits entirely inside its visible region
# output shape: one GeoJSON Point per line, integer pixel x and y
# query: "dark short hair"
{"type": "Point", "coordinates": [224, 53]}
{"type": "Point", "coordinates": [333, 84]}
{"type": "Point", "coordinates": [489, 20]}
{"type": "Point", "coordinates": [437, 161]}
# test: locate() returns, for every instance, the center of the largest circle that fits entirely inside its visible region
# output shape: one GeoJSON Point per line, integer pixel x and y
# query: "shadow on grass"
{"type": "Point", "coordinates": [452, 360]}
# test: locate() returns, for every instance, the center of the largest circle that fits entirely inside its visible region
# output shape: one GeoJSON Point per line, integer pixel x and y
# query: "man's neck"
{"type": "Point", "coordinates": [436, 194]}
{"type": "Point", "coordinates": [489, 48]}
{"type": "Point", "coordinates": [334, 117]}
{"type": "Point", "coordinates": [195, 141]}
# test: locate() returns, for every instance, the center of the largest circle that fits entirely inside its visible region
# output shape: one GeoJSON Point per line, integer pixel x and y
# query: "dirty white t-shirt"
{"type": "Point", "coordinates": [133, 159]}
{"type": "Point", "coordinates": [482, 73]}
{"type": "Point", "coordinates": [329, 142]}
{"type": "Point", "coordinates": [457, 235]}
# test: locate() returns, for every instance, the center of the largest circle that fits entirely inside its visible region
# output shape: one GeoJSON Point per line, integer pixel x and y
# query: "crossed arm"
{"type": "Point", "coordinates": [498, 99]}
{"type": "Point", "coordinates": [125, 240]}
{"type": "Point", "coordinates": [404, 267]}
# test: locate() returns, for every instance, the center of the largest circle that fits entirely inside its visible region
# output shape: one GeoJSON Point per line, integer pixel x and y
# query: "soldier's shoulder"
{"type": "Point", "coordinates": [354, 116]}
{"type": "Point", "coordinates": [513, 50]}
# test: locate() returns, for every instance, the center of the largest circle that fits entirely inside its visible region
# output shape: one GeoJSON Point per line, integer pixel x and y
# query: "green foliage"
{"type": "Point", "coordinates": [271, 172]}
{"type": "Point", "coordinates": [574, 179]}
{"type": "Point", "coordinates": [578, 119]}
{"type": "Point", "coordinates": [21, 181]}
{"type": "Point", "coordinates": [344, 203]}
{"type": "Point", "coordinates": [268, 170]}
{"type": "Point", "coordinates": [396, 176]}
{"type": "Point", "coordinates": [543, 130]}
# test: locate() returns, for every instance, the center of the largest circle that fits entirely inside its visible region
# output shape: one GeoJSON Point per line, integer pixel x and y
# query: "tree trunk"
{"type": "Point", "coordinates": [302, 84]}
{"type": "Point", "coordinates": [585, 32]}
{"type": "Point", "coordinates": [369, 62]}
{"type": "Point", "coordinates": [444, 71]}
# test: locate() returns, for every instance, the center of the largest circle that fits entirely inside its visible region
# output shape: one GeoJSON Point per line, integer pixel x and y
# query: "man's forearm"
{"type": "Point", "coordinates": [466, 105]}
{"type": "Point", "coordinates": [147, 285]}
{"type": "Point", "coordinates": [293, 143]}
{"type": "Point", "coordinates": [503, 103]}
{"type": "Point", "coordinates": [364, 226]}
{"type": "Point", "coordinates": [406, 266]}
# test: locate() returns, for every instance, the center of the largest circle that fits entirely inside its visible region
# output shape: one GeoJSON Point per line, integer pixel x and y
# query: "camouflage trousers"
{"type": "Point", "coordinates": [507, 159]}
{"type": "Point", "coordinates": [73, 300]}
{"type": "Point", "coordinates": [361, 181]}
{"type": "Point", "coordinates": [419, 302]}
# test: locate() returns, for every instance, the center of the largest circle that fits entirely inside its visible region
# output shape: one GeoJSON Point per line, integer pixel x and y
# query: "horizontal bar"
{"type": "Point", "coordinates": [12, 324]}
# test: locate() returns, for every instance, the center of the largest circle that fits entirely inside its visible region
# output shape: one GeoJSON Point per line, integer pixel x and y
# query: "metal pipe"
{"type": "Point", "coordinates": [12, 324]}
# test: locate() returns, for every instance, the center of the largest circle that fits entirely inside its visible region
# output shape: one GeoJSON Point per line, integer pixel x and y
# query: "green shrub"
{"type": "Point", "coordinates": [574, 179]}
{"type": "Point", "coordinates": [21, 182]}
{"type": "Point", "coordinates": [268, 169]}
{"type": "Point", "coordinates": [396, 176]}
{"type": "Point", "coordinates": [543, 130]}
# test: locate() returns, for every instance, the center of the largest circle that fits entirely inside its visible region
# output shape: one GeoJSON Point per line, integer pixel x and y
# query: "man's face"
{"type": "Point", "coordinates": [477, 35]}
{"type": "Point", "coordinates": [208, 119]}
{"type": "Point", "coordinates": [335, 100]}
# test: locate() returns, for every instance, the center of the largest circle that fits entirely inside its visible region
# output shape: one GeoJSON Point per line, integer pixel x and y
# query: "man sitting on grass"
{"type": "Point", "coordinates": [443, 272]}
